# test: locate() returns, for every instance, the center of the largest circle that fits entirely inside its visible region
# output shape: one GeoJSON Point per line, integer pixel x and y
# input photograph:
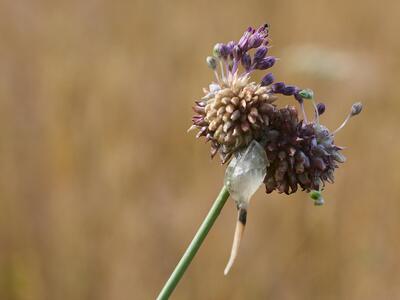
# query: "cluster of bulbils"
{"type": "Point", "coordinates": [235, 111]}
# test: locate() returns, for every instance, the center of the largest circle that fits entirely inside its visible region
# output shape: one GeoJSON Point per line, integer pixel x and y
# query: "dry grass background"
{"type": "Point", "coordinates": [101, 188]}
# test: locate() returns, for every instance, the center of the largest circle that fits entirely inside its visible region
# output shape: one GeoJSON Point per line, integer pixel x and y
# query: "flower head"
{"type": "Point", "coordinates": [235, 111]}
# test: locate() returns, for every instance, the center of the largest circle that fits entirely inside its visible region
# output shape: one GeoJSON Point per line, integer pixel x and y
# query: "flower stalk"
{"type": "Point", "coordinates": [194, 245]}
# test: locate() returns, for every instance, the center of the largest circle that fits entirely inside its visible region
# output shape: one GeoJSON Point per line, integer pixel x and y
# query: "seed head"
{"type": "Point", "coordinates": [300, 154]}
{"type": "Point", "coordinates": [234, 115]}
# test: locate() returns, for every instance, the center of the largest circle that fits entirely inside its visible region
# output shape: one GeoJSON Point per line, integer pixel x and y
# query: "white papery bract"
{"type": "Point", "coordinates": [245, 173]}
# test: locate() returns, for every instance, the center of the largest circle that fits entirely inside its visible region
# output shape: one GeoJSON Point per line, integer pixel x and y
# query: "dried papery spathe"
{"type": "Point", "coordinates": [244, 175]}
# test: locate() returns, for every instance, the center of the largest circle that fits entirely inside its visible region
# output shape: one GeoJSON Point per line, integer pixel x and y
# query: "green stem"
{"type": "Point", "coordinates": [194, 245]}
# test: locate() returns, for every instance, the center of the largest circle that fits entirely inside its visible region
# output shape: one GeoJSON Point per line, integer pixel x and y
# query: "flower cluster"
{"type": "Point", "coordinates": [235, 111]}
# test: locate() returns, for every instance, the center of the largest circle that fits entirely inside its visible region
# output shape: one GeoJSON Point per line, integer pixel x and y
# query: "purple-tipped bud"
{"type": "Point", "coordinates": [289, 90]}
{"type": "Point", "coordinates": [246, 61]}
{"type": "Point", "coordinates": [266, 63]}
{"type": "Point", "coordinates": [321, 108]}
{"type": "Point", "coordinates": [267, 79]}
{"type": "Point", "coordinates": [260, 53]}
{"type": "Point", "coordinates": [278, 87]}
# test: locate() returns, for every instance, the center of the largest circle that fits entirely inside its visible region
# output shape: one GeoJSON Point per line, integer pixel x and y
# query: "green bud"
{"type": "Point", "coordinates": [307, 94]}
{"type": "Point", "coordinates": [211, 62]}
{"type": "Point", "coordinates": [315, 195]}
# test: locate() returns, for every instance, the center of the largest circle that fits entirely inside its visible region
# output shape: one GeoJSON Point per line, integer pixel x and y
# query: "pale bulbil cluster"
{"type": "Point", "coordinates": [232, 114]}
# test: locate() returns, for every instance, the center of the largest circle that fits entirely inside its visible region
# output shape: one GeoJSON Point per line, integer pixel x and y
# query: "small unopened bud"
{"type": "Point", "coordinates": [230, 46]}
{"type": "Point", "coordinates": [264, 28]}
{"type": "Point", "coordinates": [298, 97]}
{"type": "Point", "coordinates": [267, 79]}
{"type": "Point", "coordinates": [289, 90]}
{"type": "Point", "coordinates": [237, 52]}
{"type": "Point", "coordinates": [260, 53]}
{"type": "Point", "coordinates": [244, 40]}
{"type": "Point", "coordinates": [246, 61]}
{"type": "Point", "coordinates": [211, 62]}
{"type": "Point", "coordinates": [278, 87]}
{"type": "Point", "coordinates": [307, 94]}
{"type": "Point", "coordinates": [321, 108]}
{"type": "Point", "coordinates": [317, 197]}
{"type": "Point", "coordinates": [255, 41]}
{"type": "Point", "coordinates": [356, 108]}
{"type": "Point", "coordinates": [266, 63]}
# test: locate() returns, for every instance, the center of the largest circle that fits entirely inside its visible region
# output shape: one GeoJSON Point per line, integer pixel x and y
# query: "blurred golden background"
{"type": "Point", "coordinates": [101, 188]}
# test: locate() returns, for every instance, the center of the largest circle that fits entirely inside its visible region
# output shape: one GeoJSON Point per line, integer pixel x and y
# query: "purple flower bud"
{"type": "Point", "coordinates": [321, 108]}
{"type": "Point", "coordinates": [267, 79]}
{"type": "Point", "coordinates": [237, 53]}
{"type": "Point", "coordinates": [224, 51]}
{"type": "Point", "coordinates": [289, 90]}
{"type": "Point", "coordinates": [246, 61]}
{"type": "Point", "coordinates": [260, 53]}
{"type": "Point", "coordinates": [266, 63]}
{"type": "Point", "coordinates": [244, 40]}
{"type": "Point", "coordinates": [278, 87]}
{"type": "Point", "coordinates": [221, 50]}
{"type": "Point", "coordinates": [229, 47]}
{"type": "Point", "coordinates": [298, 97]}
{"type": "Point", "coordinates": [255, 40]}
{"type": "Point", "coordinates": [263, 28]}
